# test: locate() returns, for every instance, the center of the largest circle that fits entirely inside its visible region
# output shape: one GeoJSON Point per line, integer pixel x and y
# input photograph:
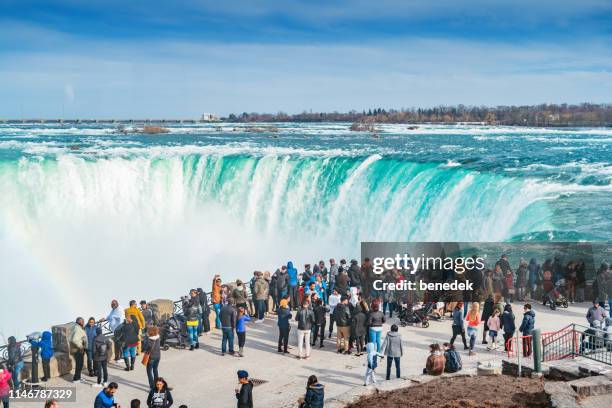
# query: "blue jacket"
{"type": "Point", "coordinates": [45, 344]}
{"type": "Point", "coordinates": [91, 336]}
{"type": "Point", "coordinates": [314, 397]}
{"type": "Point", "coordinates": [241, 323]}
{"type": "Point", "coordinates": [458, 318]}
{"type": "Point", "coordinates": [284, 315]}
{"type": "Point", "coordinates": [293, 274]}
{"type": "Point", "coordinates": [507, 322]}
{"type": "Point", "coordinates": [103, 400]}
{"type": "Point", "coordinates": [528, 323]}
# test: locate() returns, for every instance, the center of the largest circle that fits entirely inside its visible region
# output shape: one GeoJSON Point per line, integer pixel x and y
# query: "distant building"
{"type": "Point", "coordinates": [210, 117]}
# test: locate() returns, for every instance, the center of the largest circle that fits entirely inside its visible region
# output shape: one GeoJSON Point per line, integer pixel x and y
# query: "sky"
{"type": "Point", "coordinates": [178, 59]}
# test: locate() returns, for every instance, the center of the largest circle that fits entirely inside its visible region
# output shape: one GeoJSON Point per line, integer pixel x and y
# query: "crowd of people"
{"type": "Point", "coordinates": [317, 299]}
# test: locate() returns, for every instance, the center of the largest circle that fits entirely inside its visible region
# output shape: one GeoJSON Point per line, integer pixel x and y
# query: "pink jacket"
{"type": "Point", "coordinates": [5, 376]}
{"type": "Point", "coordinates": [494, 323]}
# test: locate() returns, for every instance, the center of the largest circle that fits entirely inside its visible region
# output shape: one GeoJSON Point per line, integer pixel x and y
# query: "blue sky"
{"type": "Point", "coordinates": [180, 58]}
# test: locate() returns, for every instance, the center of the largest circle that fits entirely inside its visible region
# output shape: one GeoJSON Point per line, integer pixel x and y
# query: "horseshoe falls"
{"type": "Point", "coordinates": [98, 214]}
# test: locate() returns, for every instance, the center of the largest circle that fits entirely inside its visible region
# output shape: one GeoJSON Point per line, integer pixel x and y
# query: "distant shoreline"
{"type": "Point", "coordinates": [562, 116]}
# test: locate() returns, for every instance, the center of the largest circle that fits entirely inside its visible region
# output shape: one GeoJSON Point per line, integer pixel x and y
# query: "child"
{"type": "Point", "coordinates": [372, 363]}
{"type": "Point", "coordinates": [45, 344]}
{"type": "Point", "coordinates": [494, 327]}
{"type": "Point", "coordinates": [243, 317]}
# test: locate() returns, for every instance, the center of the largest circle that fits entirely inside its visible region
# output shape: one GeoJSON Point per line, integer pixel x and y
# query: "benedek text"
{"type": "Point", "coordinates": [407, 285]}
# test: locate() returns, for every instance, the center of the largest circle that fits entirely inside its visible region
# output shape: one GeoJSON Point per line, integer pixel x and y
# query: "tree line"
{"type": "Point", "coordinates": [586, 114]}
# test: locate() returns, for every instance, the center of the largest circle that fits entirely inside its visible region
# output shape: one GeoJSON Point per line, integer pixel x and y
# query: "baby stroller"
{"type": "Point", "coordinates": [175, 330]}
{"type": "Point", "coordinates": [409, 316]}
{"type": "Point", "coordinates": [555, 298]}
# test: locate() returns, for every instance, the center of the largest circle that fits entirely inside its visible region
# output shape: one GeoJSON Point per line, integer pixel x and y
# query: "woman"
{"type": "Point", "coordinates": [100, 354]}
{"type": "Point", "coordinates": [315, 394]}
{"type": "Point", "coordinates": [90, 331]}
{"type": "Point", "coordinates": [15, 361]}
{"type": "Point", "coordinates": [487, 311]}
{"type": "Point", "coordinates": [570, 281]}
{"type": "Point", "coordinates": [521, 280]}
{"type": "Point", "coordinates": [435, 361]}
{"type": "Point", "coordinates": [375, 323]}
{"type": "Point", "coordinates": [241, 320]}
{"type": "Point", "coordinates": [153, 350]}
{"type": "Point", "coordinates": [358, 328]}
{"type": "Point", "coordinates": [473, 319]}
{"type": "Point", "coordinates": [191, 312]}
{"type": "Point", "coordinates": [160, 396]}
{"type": "Point", "coordinates": [130, 339]}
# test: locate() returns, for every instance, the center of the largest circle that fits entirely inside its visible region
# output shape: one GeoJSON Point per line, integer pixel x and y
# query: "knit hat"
{"type": "Point", "coordinates": [243, 374]}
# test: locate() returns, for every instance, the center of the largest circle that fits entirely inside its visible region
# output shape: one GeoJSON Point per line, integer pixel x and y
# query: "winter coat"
{"type": "Point", "coordinates": [493, 323]}
{"type": "Point", "coordinates": [103, 400]}
{"type": "Point", "coordinates": [354, 273]}
{"type": "Point", "coordinates": [376, 319]}
{"type": "Point", "coordinates": [342, 285]}
{"type": "Point", "coordinates": [241, 323]}
{"type": "Point", "coordinates": [435, 363]}
{"type": "Point", "coordinates": [392, 346]}
{"type": "Point", "coordinates": [284, 315]}
{"type": "Point", "coordinates": [521, 276]}
{"type": "Point", "coordinates": [153, 348]}
{"type": "Point", "coordinates": [227, 315]}
{"type": "Point", "coordinates": [596, 314]}
{"type": "Point", "coordinates": [507, 322]}
{"type": "Point", "coordinates": [78, 339]}
{"type": "Point", "coordinates": [261, 289]}
{"type": "Point", "coordinates": [319, 312]}
{"type": "Point", "coordinates": [90, 331]}
{"type": "Point", "coordinates": [136, 315]}
{"type": "Point", "coordinates": [101, 348]}
{"type": "Point", "coordinates": [45, 344]}
{"type": "Point", "coordinates": [292, 273]}
{"type": "Point", "coordinates": [342, 315]}
{"type": "Point", "coordinates": [282, 282]}
{"type": "Point", "coordinates": [5, 377]}
{"type": "Point", "coordinates": [306, 276]}
{"type": "Point", "coordinates": [458, 317]}
{"type": "Point", "coordinates": [358, 324]}
{"type": "Point", "coordinates": [159, 399]}
{"type": "Point", "coordinates": [534, 271]}
{"type": "Point", "coordinates": [305, 319]}
{"type": "Point", "coordinates": [245, 396]}
{"type": "Point", "coordinates": [240, 295]}
{"type": "Point", "coordinates": [315, 395]}
{"type": "Point", "coordinates": [131, 334]}
{"type": "Point", "coordinates": [528, 323]}
{"type": "Point", "coordinates": [216, 293]}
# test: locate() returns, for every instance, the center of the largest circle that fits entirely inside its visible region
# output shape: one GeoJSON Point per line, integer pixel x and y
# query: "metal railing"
{"type": "Point", "coordinates": [106, 330]}
{"type": "Point", "coordinates": [571, 341]}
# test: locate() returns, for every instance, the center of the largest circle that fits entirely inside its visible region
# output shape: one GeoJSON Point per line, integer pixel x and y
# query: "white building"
{"type": "Point", "coordinates": [210, 117]}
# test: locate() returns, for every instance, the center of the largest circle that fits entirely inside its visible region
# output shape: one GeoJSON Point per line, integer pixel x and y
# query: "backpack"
{"type": "Point", "coordinates": [101, 348]}
{"type": "Point", "coordinates": [453, 362]}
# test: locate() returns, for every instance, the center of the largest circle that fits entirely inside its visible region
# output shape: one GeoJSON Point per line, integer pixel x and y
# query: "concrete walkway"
{"type": "Point", "coordinates": [204, 378]}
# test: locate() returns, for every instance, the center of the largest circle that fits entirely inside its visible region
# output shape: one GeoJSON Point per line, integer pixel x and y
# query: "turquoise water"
{"type": "Point", "coordinates": [86, 201]}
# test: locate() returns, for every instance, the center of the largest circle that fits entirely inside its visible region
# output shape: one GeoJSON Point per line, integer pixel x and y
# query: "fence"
{"type": "Point", "coordinates": [572, 341]}
{"type": "Point", "coordinates": [25, 344]}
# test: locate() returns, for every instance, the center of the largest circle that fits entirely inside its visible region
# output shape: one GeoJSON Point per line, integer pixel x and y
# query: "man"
{"type": "Point", "coordinates": [527, 326]}
{"type": "Point", "coordinates": [333, 272]}
{"type": "Point", "coordinates": [114, 319]}
{"type": "Point", "coordinates": [51, 404]}
{"type": "Point", "coordinates": [78, 345]}
{"type": "Point", "coordinates": [343, 322]}
{"type": "Point", "coordinates": [282, 284]}
{"type": "Point", "coordinates": [228, 325]}
{"type": "Point", "coordinates": [305, 318]}
{"type": "Point", "coordinates": [147, 314]}
{"type": "Point", "coordinates": [260, 295]}
{"type": "Point", "coordinates": [240, 295]}
{"type": "Point", "coordinates": [342, 282]}
{"type": "Point", "coordinates": [106, 397]}
{"type": "Point", "coordinates": [354, 273]}
{"type": "Point", "coordinates": [216, 299]}
{"type": "Point", "coordinates": [306, 275]}
{"type": "Point", "coordinates": [393, 349]}
{"type": "Point", "coordinates": [596, 313]}
{"type": "Point", "coordinates": [244, 394]}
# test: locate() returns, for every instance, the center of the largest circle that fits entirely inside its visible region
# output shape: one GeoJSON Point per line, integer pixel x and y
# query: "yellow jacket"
{"type": "Point", "coordinates": [136, 313]}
